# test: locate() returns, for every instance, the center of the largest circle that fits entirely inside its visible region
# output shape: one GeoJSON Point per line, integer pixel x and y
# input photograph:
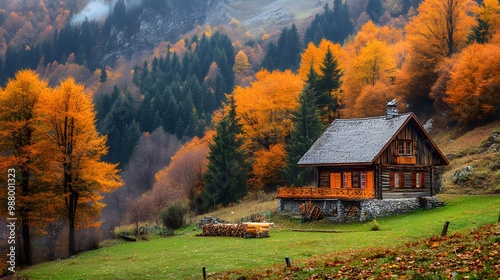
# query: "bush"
{"type": "Point", "coordinates": [374, 225]}
{"type": "Point", "coordinates": [173, 215]}
{"type": "Point", "coordinates": [124, 229]}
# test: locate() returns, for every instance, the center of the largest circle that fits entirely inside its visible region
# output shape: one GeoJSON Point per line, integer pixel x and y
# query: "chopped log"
{"type": "Point", "coordinates": [127, 238]}
{"type": "Point", "coordinates": [351, 211]}
{"type": "Point", "coordinates": [311, 211]}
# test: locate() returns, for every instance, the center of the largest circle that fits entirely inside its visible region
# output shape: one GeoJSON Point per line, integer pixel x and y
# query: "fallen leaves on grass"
{"type": "Point", "coordinates": [465, 255]}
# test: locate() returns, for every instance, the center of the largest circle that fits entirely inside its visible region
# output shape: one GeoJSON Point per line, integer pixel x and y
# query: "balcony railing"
{"type": "Point", "coordinates": [324, 193]}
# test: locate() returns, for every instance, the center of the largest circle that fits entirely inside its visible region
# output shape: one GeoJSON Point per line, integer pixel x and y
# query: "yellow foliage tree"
{"type": "Point", "coordinates": [438, 31]}
{"type": "Point", "coordinates": [315, 55]}
{"type": "Point", "coordinates": [490, 13]}
{"type": "Point", "coordinates": [69, 117]}
{"type": "Point", "coordinates": [241, 64]}
{"type": "Point", "coordinates": [265, 106]}
{"type": "Point", "coordinates": [373, 64]}
{"type": "Point", "coordinates": [441, 27]}
{"type": "Point", "coordinates": [372, 57]}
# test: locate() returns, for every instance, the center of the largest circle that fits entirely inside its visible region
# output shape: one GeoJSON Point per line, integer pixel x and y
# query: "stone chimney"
{"type": "Point", "coordinates": [391, 109]}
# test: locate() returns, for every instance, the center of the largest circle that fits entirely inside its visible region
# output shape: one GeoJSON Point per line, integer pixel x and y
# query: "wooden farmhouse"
{"type": "Point", "coordinates": [389, 158]}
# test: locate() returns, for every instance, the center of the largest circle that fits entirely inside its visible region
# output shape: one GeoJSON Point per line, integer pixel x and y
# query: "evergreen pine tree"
{"type": "Point", "coordinates": [226, 177]}
{"type": "Point", "coordinates": [307, 128]}
{"type": "Point", "coordinates": [479, 33]}
{"type": "Point", "coordinates": [104, 76]}
{"type": "Point", "coordinates": [334, 25]}
{"type": "Point", "coordinates": [328, 83]}
{"type": "Point", "coordinates": [270, 61]}
{"type": "Point", "coordinates": [375, 10]}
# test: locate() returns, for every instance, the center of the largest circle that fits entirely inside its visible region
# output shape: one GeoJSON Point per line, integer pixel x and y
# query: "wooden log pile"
{"type": "Point", "coordinates": [310, 211]}
{"type": "Point", "coordinates": [245, 230]}
{"type": "Point", "coordinates": [351, 211]}
{"type": "Point", "coordinates": [258, 229]}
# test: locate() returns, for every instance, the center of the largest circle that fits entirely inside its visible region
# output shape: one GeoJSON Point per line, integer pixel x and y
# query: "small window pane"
{"type": "Point", "coordinates": [362, 178]}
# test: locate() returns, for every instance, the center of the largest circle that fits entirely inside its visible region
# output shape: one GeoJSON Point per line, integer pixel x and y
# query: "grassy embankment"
{"type": "Point", "coordinates": [183, 256]}
{"type": "Point", "coordinates": [477, 150]}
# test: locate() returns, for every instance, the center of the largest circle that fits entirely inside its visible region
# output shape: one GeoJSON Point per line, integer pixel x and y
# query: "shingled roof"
{"type": "Point", "coordinates": [354, 141]}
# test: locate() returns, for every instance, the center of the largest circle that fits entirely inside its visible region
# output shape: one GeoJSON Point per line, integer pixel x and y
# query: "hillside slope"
{"type": "Point", "coordinates": [474, 159]}
{"type": "Point", "coordinates": [263, 15]}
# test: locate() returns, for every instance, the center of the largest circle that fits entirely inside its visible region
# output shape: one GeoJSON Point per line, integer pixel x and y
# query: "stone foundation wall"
{"type": "Point", "coordinates": [345, 211]}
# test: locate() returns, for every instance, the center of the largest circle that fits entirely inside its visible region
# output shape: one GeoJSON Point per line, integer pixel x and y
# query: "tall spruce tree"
{"type": "Point", "coordinates": [307, 128]}
{"type": "Point", "coordinates": [226, 177]}
{"type": "Point", "coordinates": [286, 53]}
{"type": "Point", "coordinates": [333, 24]}
{"type": "Point", "coordinates": [329, 82]}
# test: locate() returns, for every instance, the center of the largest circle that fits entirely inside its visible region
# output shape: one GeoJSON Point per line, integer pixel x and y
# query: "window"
{"type": "Point", "coordinates": [407, 180]}
{"type": "Point", "coordinates": [362, 180]}
{"type": "Point", "coordinates": [355, 180]}
{"type": "Point", "coordinates": [397, 180]}
{"type": "Point", "coordinates": [405, 148]}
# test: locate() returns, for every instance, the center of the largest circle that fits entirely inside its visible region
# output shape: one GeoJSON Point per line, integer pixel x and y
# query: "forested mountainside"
{"type": "Point", "coordinates": [201, 102]}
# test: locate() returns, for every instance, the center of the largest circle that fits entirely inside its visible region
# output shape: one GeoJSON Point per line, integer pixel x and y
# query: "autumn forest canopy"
{"type": "Point", "coordinates": [109, 128]}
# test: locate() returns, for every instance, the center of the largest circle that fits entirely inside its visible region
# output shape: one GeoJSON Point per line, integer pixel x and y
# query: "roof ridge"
{"type": "Point", "coordinates": [372, 118]}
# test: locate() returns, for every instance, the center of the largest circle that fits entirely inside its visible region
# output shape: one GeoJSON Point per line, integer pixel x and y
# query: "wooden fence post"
{"type": "Point", "coordinates": [445, 228]}
{"type": "Point", "coordinates": [499, 217]}
{"type": "Point", "coordinates": [287, 261]}
{"type": "Point", "coordinates": [204, 273]}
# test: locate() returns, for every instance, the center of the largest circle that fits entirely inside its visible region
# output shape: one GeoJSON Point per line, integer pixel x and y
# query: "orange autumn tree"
{"type": "Point", "coordinates": [315, 56]}
{"type": "Point", "coordinates": [264, 109]}
{"type": "Point", "coordinates": [21, 150]}
{"type": "Point", "coordinates": [473, 93]}
{"type": "Point", "coordinates": [265, 106]}
{"type": "Point", "coordinates": [267, 168]}
{"type": "Point", "coordinates": [69, 117]}
{"type": "Point", "coordinates": [438, 31]}
{"type": "Point", "coordinates": [372, 62]}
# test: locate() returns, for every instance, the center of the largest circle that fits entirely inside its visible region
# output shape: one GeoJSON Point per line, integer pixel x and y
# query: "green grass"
{"type": "Point", "coordinates": [183, 256]}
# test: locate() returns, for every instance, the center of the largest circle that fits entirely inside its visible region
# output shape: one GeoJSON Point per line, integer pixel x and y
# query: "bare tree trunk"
{"type": "Point", "coordinates": [25, 227]}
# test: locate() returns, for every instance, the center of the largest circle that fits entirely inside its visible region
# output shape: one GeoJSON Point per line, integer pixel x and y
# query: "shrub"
{"type": "Point", "coordinates": [124, 229]}
{"type": "Point", "coordinates": [173, 215]}
{"type": "Point", "coordinates": [374, 225]}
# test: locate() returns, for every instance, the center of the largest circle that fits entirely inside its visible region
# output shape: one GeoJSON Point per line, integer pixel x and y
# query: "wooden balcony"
{"type": "Point", "coordinates": [326, 193]}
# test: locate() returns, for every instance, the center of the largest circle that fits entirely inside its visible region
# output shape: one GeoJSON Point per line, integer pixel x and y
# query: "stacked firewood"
{"type": "Point", "coordinates": [351, 211]}
{"type": "Point", "coordinates": [310, 211]}
{"type": "Point", "coordinates": [258, 229]}
{"type": "Point", "coordinates": [237, 230]}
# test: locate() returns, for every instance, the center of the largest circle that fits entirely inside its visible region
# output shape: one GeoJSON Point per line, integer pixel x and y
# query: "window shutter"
{"type": "Point", "coordinates": [349, 180]}
{"type": "Point", "coordinates": [401, 180]}
{"type": "Point", "coordinates": [422, 180]}
{"type": "Point", "coordinates": [370, 182]}
{"type": "Point", "coordinates": [335, 180]}
{"type": "Point", "coordinates": [413, 180]}
{"type": "Point", "coordinates": [391, 179]}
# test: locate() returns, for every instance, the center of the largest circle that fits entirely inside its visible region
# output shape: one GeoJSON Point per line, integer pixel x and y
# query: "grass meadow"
{"type": "Point", "coordinates": [184, 255]}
